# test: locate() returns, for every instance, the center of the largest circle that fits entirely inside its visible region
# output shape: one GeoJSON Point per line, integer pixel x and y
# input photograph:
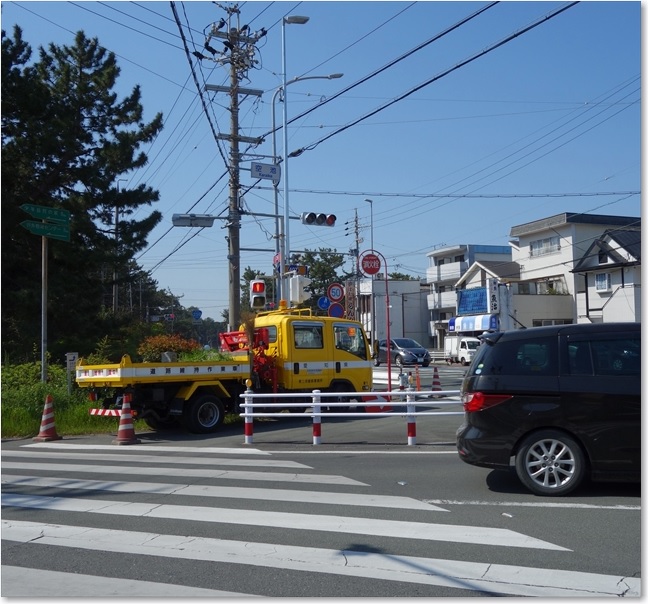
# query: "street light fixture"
{"type": "Point", "coordinates": [280, 250]}
{"type": "Point", "coordinates": [290, 20]}
{"type": "Point", "coordinates": [373, 300]}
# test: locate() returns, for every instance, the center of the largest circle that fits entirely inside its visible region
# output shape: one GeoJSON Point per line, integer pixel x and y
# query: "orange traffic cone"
{"type": "Point", "coordinates": [126, 432]}
{"type": "Point", "coordinates": [48, 426]}
{"type": "Point", "coordinates": [436, 383]}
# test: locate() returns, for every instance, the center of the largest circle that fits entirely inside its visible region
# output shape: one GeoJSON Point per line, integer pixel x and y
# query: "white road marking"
{"type": "Point", "coordinates": [36, 583]}
{"type": "Point", "coordinates": [540, 504]}
{"type": "Point", "coordinates": [381, 501]}
{"type": "Point", "coordinates": [173, 449]}
{"type": "Point", "coordinates": [142, 459]}
{"type": "Point", "coordinates": [483, 577]}
{"type": "Point", "coordinates": [314, 522]}
{"type": "Point", "coordinates": [196, 473]}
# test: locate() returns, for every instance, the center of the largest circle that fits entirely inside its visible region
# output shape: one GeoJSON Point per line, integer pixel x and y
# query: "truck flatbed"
{"type": "Point", "coordinates": [127, 374]}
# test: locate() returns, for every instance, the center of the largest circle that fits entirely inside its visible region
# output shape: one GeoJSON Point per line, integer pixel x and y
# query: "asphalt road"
{"type": "Point", "coordinates": [363, 514]}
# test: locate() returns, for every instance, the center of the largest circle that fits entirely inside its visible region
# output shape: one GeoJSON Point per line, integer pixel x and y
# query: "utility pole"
{"type": "Point", "coordinates": [239, 50]}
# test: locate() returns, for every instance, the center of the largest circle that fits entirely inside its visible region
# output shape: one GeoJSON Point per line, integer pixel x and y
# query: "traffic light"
{"type": "Point", "coordinates": [257, 293]}
{"type": "Point", "coordinates": [297, 285]}
{"type": "Point", "coordinates": [315, 219]}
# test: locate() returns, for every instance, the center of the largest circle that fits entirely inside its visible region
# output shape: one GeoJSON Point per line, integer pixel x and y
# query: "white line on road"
{"type": "Point", "coordinates": [306, 522]}
{"type": "Point", "coordinates": [483, 577]}
{"type": "Point", "coordinates": [36, 583]}
{"type": "Point", "coordinates": [195, 473]}
{"type": "Point", "coordinates": [540, 504]}
{"type": "Point", "coordinates": [316, 497]}
{"type": "Point", "coordinates": [170, 448]}
{"type": "Point", "coordinates": [141, 459]}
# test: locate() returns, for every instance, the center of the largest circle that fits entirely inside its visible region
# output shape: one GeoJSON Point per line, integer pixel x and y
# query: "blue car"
{"type": "Point", "coordinates": [403, 351]}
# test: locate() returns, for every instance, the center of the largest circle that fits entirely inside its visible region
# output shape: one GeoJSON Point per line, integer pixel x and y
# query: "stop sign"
{"type": "Point", "coordinates": [370, 264]}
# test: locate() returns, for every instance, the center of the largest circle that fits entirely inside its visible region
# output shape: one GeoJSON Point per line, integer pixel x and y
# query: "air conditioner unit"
{"type": "Point", "coordinates": [380, 277]}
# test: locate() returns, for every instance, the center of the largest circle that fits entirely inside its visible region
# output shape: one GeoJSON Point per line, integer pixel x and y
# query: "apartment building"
{"type": "Point", "coordinates": [446, 266]}
{"type": "Point", "coordinates": [570, 268]}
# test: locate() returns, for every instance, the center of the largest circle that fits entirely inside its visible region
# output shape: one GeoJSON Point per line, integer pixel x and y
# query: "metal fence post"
{"type": "Point", "coordinates": [249, 421]}
{"type": "Point", "coordinates": [411, 419]}
{"type": "Point", "coordinates": [317, 418]}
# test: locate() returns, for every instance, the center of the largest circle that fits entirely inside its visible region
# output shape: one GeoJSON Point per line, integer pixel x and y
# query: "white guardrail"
{"type": "Point", "coordinates": [384, 401]}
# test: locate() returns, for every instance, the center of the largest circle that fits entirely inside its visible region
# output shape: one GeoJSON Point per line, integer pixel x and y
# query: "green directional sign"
{"type": "Point", "coordinates": [48, 229]}
{"type": "Point", "coordinates": [44, 213]}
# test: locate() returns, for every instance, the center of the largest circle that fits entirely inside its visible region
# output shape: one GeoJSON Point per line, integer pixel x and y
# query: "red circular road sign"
{"type": "Point", "coordinates": [335, 292]}
{"type": "Point", "coordinates": [336, 310]}
{"type": "Point", "coordinates": [370, 264]}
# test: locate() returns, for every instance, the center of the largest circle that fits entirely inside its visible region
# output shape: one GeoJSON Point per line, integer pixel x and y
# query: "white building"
{"type": "Point", "coordinates": [446, 266]}
{"type": "Point", "coordinates": [403, 301]}
{"type": "Point", "coordinates": [611, 268]}
{"type": "Point", "coordinates": [561, 261]}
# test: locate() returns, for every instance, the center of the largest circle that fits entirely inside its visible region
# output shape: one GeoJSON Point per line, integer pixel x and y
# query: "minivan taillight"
{"type": "Point", "coordinates": [478, 401]}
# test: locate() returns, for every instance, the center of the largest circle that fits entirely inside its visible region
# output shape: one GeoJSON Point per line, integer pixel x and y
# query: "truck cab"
{"type": "Point", "coordinates": [323, 353]}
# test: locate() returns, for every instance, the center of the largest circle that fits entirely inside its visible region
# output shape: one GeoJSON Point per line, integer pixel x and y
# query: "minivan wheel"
{"type": "Point", "coordinates": [551, 463]}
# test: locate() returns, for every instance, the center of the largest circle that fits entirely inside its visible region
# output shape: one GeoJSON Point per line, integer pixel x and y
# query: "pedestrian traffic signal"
{"type": "Point", "coordinates": [315, 219]}
{"type": "Point", "coordinates": [257, 293]}
{"type": "Point", "coordinates": [297, 285]}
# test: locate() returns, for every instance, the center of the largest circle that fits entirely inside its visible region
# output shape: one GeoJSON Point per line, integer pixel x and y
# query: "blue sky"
{"type": "Point", "coordinates": [546, 122]}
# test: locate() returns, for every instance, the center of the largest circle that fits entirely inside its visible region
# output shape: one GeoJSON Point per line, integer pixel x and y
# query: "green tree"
{"type": "Point", "coordinates": [401, 277]}
{"type": "Point", "coordinates": [67, 140]}
{"type": "Point", "coordinates": [324, 267]}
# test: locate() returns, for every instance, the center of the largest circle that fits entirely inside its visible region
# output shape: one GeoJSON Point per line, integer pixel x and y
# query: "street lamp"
{"type": "Point", "coordinates": [280, 251]}
{"type": "Point", "coordinates": [294, 20]}
{"type": "Point", "coordinates": [373, 300]}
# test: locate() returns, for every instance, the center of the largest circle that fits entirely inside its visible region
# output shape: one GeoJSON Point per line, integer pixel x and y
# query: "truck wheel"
{"type": "Point", "coordinates": [335, 398]}
{"type": "Point", "coordinates": [203, 414]}
{"type": "Point", "coordinates": [464, 362]}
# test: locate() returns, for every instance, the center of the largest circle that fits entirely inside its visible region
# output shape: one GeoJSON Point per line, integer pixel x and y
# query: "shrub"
{"type": "Point", "coordinates": [151, 348]}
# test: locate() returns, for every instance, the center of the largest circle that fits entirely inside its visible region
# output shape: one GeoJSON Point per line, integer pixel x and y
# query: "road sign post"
{"type": "Point", "coordinates": [55, 225]}
{"type": "Point", "coordinates": [370, 263]}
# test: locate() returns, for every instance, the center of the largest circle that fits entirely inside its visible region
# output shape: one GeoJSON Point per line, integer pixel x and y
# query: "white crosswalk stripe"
{"type": "Point", "coordinates": [52, 479]}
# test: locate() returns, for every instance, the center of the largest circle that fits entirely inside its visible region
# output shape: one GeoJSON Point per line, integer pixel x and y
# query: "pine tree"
{"type": "Point", "coordinates": [67, 140]}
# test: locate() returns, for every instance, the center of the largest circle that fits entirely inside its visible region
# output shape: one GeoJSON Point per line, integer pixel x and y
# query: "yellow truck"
{"type": "Point", "coordinates": [292, 351]}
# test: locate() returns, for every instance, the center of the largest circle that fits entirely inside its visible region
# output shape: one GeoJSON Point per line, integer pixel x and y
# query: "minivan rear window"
{"type": "Point", "coordinates": [520, 357]}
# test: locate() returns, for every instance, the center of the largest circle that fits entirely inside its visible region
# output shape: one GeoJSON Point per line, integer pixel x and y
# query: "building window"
{"type": "Point", "coordinates": [543, 322]}
{"type": "Point", "coordinates": [524, 288]}
{"type": "Point", "coordinates": [541, 247]}
{"type": "Point", "coordinates": [552, 286]}
{"type": "Point", "coordinates": [603, 258]}
{"type": "Point", "coordinates": [602, 282]}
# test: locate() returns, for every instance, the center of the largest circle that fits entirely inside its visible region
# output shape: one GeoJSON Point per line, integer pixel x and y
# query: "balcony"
{"type": "Point", "coordinates": [441, 300]}
{"type": "Point", "coordinates": [450, 272]}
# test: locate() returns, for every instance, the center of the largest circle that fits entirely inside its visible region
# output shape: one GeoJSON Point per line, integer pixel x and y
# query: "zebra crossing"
{"type": "Point", "coordinates": [238, 509]}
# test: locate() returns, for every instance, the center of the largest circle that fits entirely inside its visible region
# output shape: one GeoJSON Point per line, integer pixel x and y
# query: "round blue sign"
{"type": "Point", "coordinates": [336, 310]}
{"type": "Point", "coordinates": [323, 303]}
{"type": "Point", "coordinates": [196, 314]}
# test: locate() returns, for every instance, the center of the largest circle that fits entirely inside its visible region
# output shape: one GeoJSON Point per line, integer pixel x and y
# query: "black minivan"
{"type": "Point", "coordinates": [559, 404]}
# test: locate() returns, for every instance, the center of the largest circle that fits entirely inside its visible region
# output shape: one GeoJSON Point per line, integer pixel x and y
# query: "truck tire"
{"type": "Point", "coordinates": [336, 398]}
{"type": "Point", "coordinates": [203, 414]}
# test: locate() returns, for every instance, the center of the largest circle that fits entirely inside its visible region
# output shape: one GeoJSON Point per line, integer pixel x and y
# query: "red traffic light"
{"type": "Point", "coordinates": [257, 293]}
{"type": "Point", "coordinates": [318, 219]}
